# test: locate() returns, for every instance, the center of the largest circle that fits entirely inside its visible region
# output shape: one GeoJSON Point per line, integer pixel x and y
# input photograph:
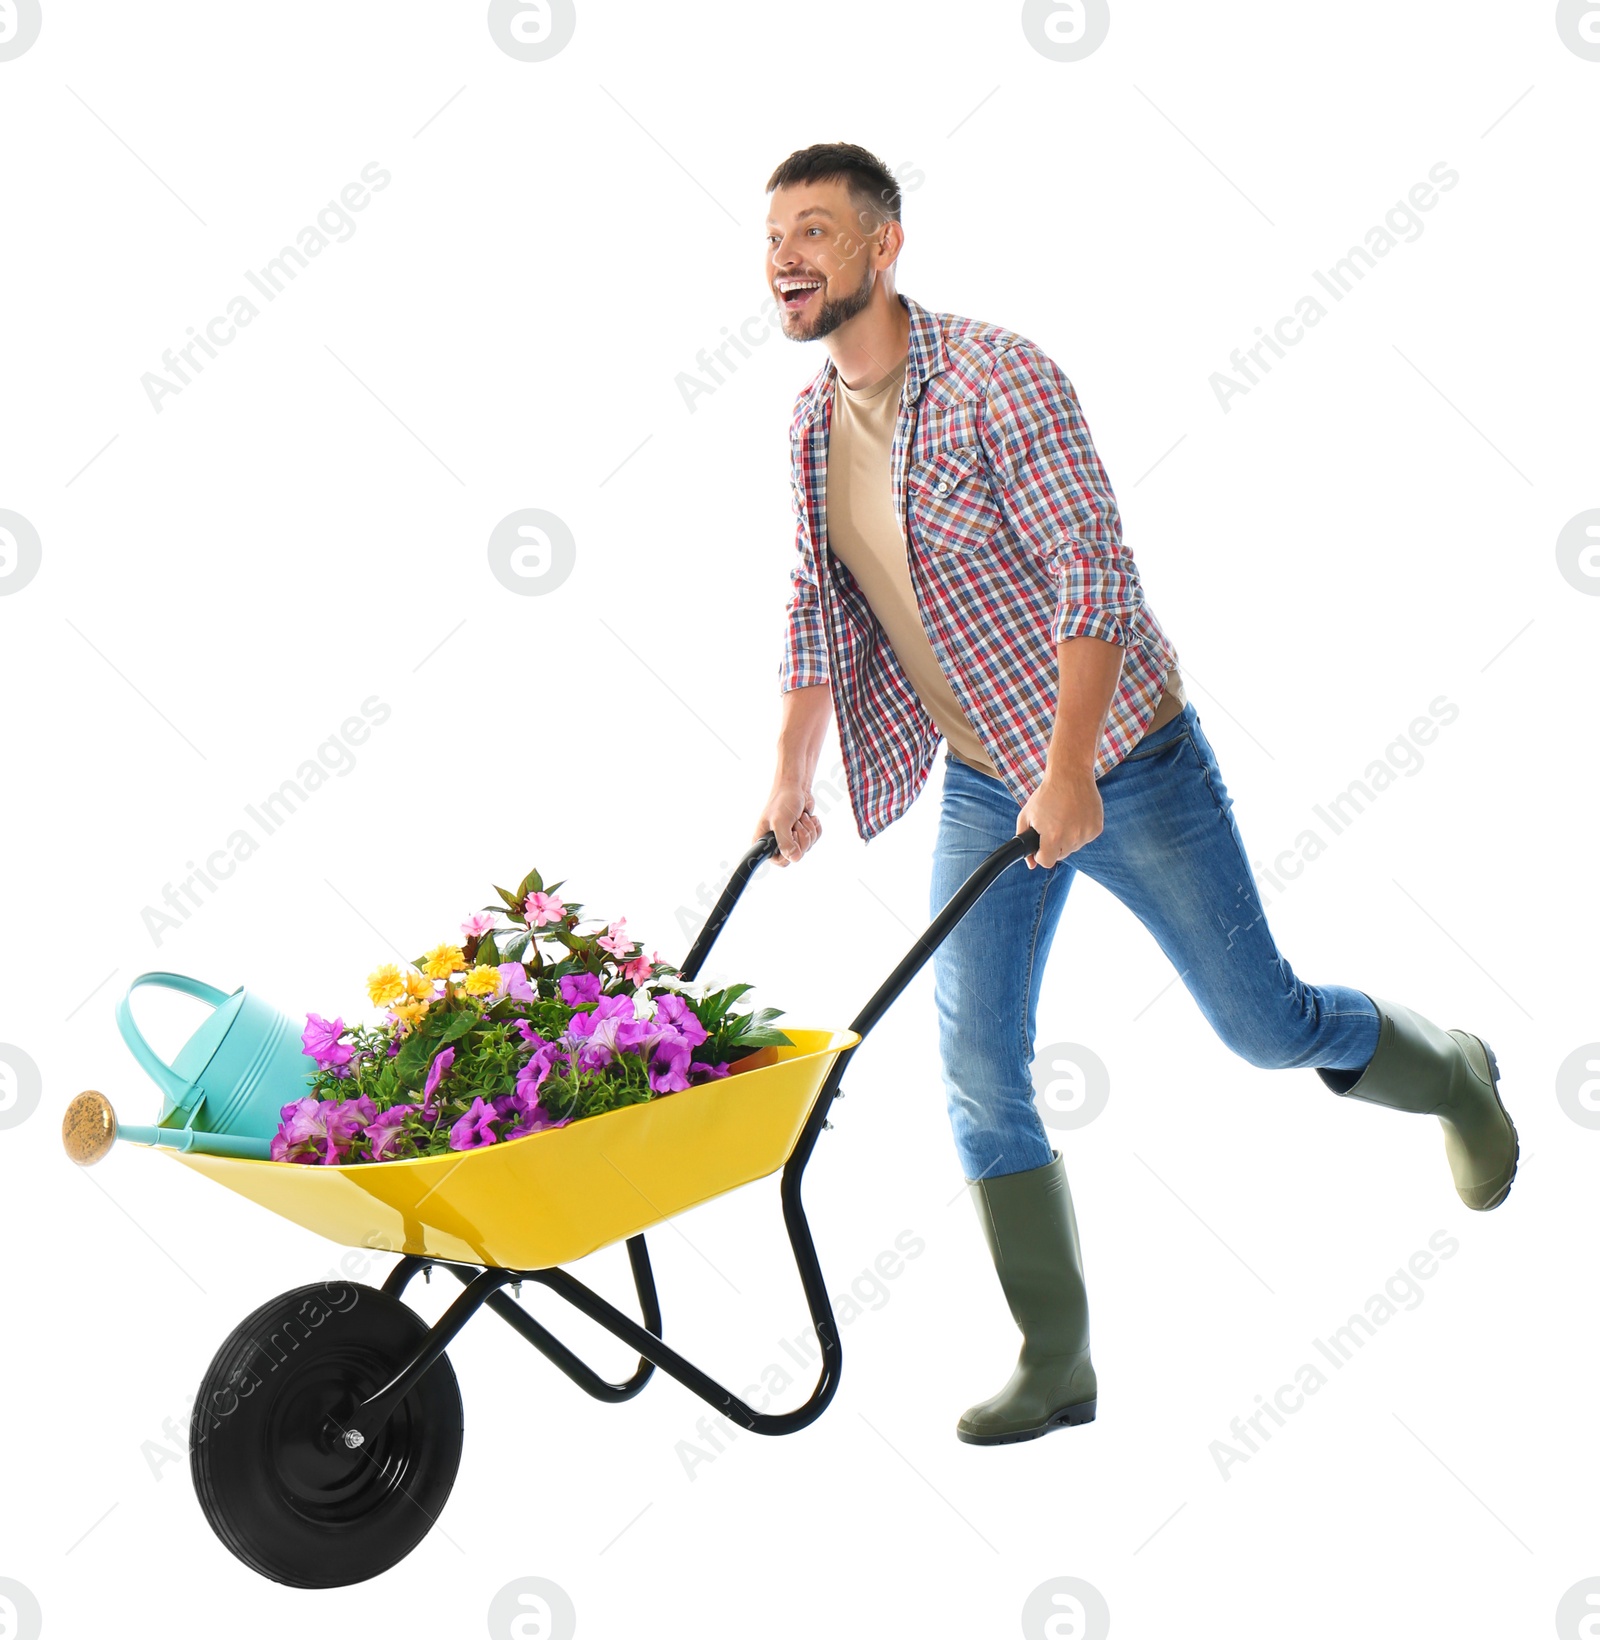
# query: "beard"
{"type": "Point", "coordinates": [834, 311]}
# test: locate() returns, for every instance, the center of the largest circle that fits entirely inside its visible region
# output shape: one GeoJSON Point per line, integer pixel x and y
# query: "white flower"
{"type": "Point", "coordinates": [687, 987]}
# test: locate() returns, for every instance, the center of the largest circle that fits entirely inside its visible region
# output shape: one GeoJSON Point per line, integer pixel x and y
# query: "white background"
{"type": "Point", "coordinates": [305, 527]}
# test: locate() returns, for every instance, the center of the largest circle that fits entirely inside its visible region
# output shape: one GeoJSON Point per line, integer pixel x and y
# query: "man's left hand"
{"type": "Point", "coordinates": [1066, 812]}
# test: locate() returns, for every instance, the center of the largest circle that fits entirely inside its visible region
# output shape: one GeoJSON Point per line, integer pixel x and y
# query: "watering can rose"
{"type": "Point", "coordinates": [528, 1022]}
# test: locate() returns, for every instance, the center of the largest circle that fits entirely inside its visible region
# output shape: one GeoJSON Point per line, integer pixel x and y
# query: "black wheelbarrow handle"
{"type": "Point", "coordinates": [959, 904]}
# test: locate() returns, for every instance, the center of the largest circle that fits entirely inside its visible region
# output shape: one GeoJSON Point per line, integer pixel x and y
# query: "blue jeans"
{"type": "Point", "coordinates": [1170, 851]}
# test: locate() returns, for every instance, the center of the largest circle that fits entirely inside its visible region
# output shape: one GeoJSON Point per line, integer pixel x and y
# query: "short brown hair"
{"type": "Point", "coordinates": [871, 183]}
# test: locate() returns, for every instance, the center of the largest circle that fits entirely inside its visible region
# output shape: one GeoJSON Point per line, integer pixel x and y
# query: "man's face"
{"type": "Point", "coordinates": [819, 258]}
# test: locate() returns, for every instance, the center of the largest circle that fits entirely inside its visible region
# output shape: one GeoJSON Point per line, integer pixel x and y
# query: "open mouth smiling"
{"type": "Point", "coordinates": [795, 293]}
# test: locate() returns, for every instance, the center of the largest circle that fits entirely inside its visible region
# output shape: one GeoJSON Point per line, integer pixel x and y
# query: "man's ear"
{"type": "Point", "coordinates": [887, 243]}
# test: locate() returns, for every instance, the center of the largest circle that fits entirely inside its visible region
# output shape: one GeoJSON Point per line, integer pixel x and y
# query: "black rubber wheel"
{"type": "Point", "coordinates": [292, 1503]}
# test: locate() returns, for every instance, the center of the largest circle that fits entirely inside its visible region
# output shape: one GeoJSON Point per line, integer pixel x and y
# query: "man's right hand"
{"type": "Point", "coordinates": [789, 815]}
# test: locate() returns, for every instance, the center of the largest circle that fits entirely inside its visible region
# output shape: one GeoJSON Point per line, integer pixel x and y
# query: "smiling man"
{"type": "Point", "coordinates": [960, 574]}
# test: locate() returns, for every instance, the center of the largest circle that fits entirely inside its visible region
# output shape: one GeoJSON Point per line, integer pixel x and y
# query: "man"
{"type": "Point", "coordinates": [960, 573]}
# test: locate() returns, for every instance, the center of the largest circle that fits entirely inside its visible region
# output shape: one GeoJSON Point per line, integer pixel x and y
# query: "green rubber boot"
{"type": "Point", "coordinates": [1032, 1233]}
{"type": "Point", "coordinates": [1448, 1074]}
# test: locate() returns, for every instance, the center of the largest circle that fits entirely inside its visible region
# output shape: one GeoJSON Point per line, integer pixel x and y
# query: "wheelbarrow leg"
{"type": "Point", "coordinates": [651, 1348]}
{"type": "Point", "coordinates": [578, 1370]}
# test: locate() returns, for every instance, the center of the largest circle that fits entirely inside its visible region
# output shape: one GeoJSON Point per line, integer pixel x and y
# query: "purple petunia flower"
{"type": "Point", "coordinates": [514, 983]}
{"type": "Point", "coordinates": [442, 1062]}
{"type": "Point", "coordinates": [674, 1011]}
{"type": "Point", "coordinates": [534, 1118]}
{"type": "Point", "coordinates": [384, 1131]}
{"type": "Point", "coordinates": [577, 989]}
{"type": "Point", "coordinates": [610, 1028]}
{"type": "Point", "coordinates": [320, 1130]}
{"type": "Point", "coordinates": [538, 1065]}
{"type": "Point", "coordinates": [669, 1065]}
{"type": "Point", "coordinates": [474, 1130]}
{"type": "Point", "coordinates": [708, 1073]}
{"type": "Point", "coordinates": [538, 1120]}
{"type": "Point", "coordinates": [320, 1040]}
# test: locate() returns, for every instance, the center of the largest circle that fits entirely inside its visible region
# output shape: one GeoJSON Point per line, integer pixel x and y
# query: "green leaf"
{"type": "Point", "coordinates": [456, 1026]}
{"type": "Point", "coordinates": [416, 1054]}
{"type": "Point", "coordinates": [487, 951]}
{"type": "Point", "coordinates": [763, 1039]}
{"type": "Point", "coordinates": [515, 944]}
{"type": "Point", "coordinates": [533, 883]}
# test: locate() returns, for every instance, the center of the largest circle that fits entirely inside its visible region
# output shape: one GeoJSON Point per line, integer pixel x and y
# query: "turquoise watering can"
{"type": "Point", "coordinates": [223, 1092]}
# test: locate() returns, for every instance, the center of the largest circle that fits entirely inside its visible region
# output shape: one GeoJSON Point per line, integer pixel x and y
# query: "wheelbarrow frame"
{"type": "Point", "coordinates": [484, 1285]}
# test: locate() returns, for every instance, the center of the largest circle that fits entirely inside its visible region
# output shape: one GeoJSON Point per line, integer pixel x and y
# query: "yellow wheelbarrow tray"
{"type": "Point", "coordinates": [554, 1197]}
{"type": "Point", "coordinates": [327, 1431]}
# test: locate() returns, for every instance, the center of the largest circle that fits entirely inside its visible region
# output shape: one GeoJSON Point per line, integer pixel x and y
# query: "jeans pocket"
{"type": "Point", "coordinates": [1156, 740]}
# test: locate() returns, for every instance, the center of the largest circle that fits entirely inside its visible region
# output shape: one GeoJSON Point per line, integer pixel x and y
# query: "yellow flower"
{"type": "Point", "coordinates": [482, 981]}
{"type": "Point", "coordinates": [410, 1012]}
{"type": "Point", "coordinates": [443, 961]}
{"type": "Point", "coordinates": [418, 988]}
{"type": "Point", "coordinates": [385, 984]}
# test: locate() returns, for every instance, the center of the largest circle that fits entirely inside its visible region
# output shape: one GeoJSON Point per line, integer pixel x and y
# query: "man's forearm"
{"type": "Point", "coordinates": [1088, 669]}
{"type": "Point", "coordinates": [802, 731]}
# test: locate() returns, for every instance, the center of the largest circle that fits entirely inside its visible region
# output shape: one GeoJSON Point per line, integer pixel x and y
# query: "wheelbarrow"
{"type": "Point", "coordinates": [327, 1431]}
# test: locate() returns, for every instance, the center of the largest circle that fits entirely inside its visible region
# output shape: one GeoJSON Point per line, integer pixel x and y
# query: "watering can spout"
{"type": "Point", "coordinates": [90, 1128]}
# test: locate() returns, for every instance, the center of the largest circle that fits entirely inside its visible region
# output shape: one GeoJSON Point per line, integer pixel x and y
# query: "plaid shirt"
{"type": "Point", "coordinates": [1014, 543]}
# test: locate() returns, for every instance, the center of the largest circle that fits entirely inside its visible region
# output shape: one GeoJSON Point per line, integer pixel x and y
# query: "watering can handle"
{"type": "Point", "coordinates": [167, 1079]}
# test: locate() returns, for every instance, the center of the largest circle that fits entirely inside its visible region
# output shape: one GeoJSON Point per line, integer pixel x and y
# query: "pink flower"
{"type": "Point", "coordinates": [615, 939]}
{"type": "Point", "coordinates": [477, 925]}
{"type": "Point", "coordinates": [543, 908]}
{"type": "Point", "coordinates": [638, 971]}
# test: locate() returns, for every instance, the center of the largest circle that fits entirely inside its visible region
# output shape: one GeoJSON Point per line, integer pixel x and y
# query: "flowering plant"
{"type": "Point", "coordinates": [528, 1022]}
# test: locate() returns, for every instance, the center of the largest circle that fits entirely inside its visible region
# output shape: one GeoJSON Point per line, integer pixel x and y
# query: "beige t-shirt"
{"type": "Point", "coordinates": [865, 534]}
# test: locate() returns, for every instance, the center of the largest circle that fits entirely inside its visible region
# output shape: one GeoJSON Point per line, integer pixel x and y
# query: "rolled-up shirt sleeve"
{"type": "Point", "coordinates": [1056, 497]}
{"type": "Point", "coordinates": [805, 654]}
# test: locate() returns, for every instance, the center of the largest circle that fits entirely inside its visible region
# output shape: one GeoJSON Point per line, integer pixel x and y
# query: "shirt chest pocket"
{"type": "Point", "coordinates": [951, 507]}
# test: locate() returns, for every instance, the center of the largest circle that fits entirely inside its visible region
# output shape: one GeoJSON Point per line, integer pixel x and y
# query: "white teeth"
{"type": "Point", "coordinates": [787, 287]}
